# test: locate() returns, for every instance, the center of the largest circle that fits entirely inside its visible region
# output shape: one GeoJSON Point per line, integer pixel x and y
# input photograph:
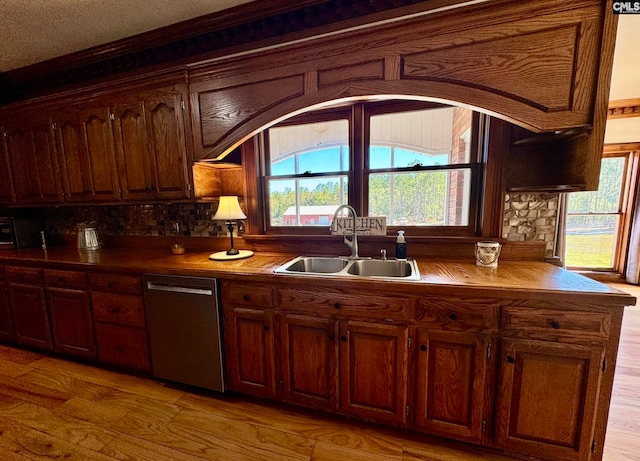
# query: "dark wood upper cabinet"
{"type": "Point", "coordinates": [97, 136]}
{"type": "Point", "coordinates": [553, 162]}
{"type": "Point", "coordinates": [75, 163]}
{"type": "Point", "coordinates": [132, 145]}
{"type": "Point", "coordinates": [87, 154]}
{"type": "Point", "coordinates": [7, 195]}
{"type": "Point", "coordinates": [150, 139]}
{"type": "Point", "coordinates": [545, 67]}
{"type": "Point", "coordinates": [165, 116]}
{"type": "Point", "coordinates": [542, 65]}
{"type": "Point", "coordinates": [30, 146]}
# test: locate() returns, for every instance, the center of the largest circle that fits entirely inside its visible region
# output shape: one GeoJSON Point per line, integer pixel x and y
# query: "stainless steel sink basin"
{"type": "Point", "coordinates": [381, 268]}
{"type": "Point", "coordinates": [344, 267]}
{"type": "Point", "coordinates": [318, 265]}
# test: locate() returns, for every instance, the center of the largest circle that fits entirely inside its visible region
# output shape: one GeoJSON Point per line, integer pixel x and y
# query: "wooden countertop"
{"type": "Point", "coordinates": [520, 279]}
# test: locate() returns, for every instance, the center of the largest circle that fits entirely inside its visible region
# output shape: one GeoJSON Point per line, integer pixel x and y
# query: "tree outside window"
{"type": "Point", "coordinates": [415, 166]}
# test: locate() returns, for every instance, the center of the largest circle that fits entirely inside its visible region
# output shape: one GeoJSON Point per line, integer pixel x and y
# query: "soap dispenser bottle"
{"type": "Point", "coordinates": [401, 246]}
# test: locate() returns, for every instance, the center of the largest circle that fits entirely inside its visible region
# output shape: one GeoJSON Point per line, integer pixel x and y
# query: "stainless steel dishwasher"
{"type": "Point", "coordinates": [184, 330]}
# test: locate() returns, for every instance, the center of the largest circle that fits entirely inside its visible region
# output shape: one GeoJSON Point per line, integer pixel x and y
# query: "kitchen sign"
{"type": "Point", "coordinates": [364, 226]}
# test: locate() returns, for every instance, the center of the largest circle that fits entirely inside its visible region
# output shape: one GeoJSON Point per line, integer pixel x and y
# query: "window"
{"type": "Point", "coordinates": [413, 163]}
{"type": "Point", "coordinates": [596, 220]}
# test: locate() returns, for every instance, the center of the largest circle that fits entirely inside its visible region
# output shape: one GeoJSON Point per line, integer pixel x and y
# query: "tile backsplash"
{"type": "Point", "coordinates": [527, 217]}
{"type": "Point", "coordinates": [193, 219]}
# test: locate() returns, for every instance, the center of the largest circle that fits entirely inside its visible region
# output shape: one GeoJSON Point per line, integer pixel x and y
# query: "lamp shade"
{"type": "Point", "coordinates": [228, 209]}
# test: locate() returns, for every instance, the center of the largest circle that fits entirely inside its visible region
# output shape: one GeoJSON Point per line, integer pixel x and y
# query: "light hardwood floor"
{"type": "Point", "coordinates": [58, 409]}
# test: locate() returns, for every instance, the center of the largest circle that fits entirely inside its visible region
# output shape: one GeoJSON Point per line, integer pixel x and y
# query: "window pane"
{"type": "Point", "coordinates": [427, 198]}
{"type": "Point", "coordinates": [607, 198]}
{"type": "Point", "coordinates": [314, 147]}
{"type": "Point", "coordinates": [426, 137]}
{"type": "Point", "coordinates": [306, 202]}
{"type": "Point", "coordinates": [591, 241]}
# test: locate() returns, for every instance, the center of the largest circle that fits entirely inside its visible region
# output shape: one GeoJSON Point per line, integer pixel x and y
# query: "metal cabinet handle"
{"type": "Point", "coordinates": [453, 316]}
{"type": "Point", "coordinates": [511, 359]}
{"type": "Point", "coordinates": [343, 338]}
{"type": "Point", "coordinates": [337, 305]}
{"type": "Point", "coordinates": [245, 297]}
{"type": "Point", "coordinates": [555, 325]}
{"type": "Point", "coordinates": [423, 347]}
{"type": "Point", "coordinates": [265, 327]}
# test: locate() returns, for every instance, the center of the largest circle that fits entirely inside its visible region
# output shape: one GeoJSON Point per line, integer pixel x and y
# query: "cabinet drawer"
{"type": "Point", "coordinates": [65, 279]}
{"type": "Point", "coordinates": [123, 346]}
{"type": "Point", "coordinates": [359, 303]}
{"type": "Point", "coordinates": [29, 275]}
{"type": "Point", "coordinates": [247, 294]}
{"type": "Point", "coordinates": [456, 315]}
{"type": "Point", "coordinates": [545, 323]}
{"type": "Point", "coordinates": [116, 283]}
{"type": "Point", "coordinates": [118, 308]}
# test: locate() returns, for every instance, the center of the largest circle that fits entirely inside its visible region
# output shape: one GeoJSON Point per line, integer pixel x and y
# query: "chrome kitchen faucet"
{"type": "Point", "coordinates": [353, 243]}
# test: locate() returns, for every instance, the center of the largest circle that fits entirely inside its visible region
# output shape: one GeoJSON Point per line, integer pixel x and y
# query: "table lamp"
{"type": "Point", "coordinates": [229, 211]}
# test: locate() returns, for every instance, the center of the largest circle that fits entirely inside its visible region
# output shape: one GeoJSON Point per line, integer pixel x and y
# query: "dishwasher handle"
{"type": "Point", "coordinates": [157, 286]}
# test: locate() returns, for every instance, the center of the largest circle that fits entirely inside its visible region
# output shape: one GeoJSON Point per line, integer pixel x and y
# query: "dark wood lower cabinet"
{"type": "Point", "coordinates": [373, 371]}
{"type": "Point", "coordinates": [547, 398]}
{"type": "Point", "coordinates": [452, 384]}
{"type": "Point", "coordinates": [31, 321]}
{"type": "Point", "coordinates": [250, 351]}
{"type": "Point", "coordinates": [124, 346]}
{"type": "Point", "coordinates": [119, 320]}
{"type": "Point", "coordinates": [71, 322]}
{"type": "Point", "coordinates": [7, 331]}
{"type": "Point", "coordinates": [310, 361]}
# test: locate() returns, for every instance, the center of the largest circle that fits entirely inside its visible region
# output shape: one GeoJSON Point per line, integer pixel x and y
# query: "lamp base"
{"type": "Point", "coordinates": [223, 256]}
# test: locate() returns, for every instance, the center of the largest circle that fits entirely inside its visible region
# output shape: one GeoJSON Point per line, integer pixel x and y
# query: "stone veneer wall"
{"type": "Point", "coordinates": [530, 217]}
{"type": "Point", "coordinates": [194, 219]}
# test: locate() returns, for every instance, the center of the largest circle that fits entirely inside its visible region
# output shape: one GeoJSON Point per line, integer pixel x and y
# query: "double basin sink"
{"type": "Point", "coordinates": [345, 267]}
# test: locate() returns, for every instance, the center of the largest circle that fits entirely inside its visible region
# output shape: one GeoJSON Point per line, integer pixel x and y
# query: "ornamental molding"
{"type": "Point", "coordinates": [624, 108]}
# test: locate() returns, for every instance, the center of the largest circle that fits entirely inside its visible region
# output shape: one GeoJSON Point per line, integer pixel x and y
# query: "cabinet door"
{"type": "Point", "coordinates": [250, 351]}
{"type": "Point", "coordinates": [6, 181]}
{"type": "Point", "coordinates": [452, 384]}
{"type": "Point", "coordinates": [373, 371]}
{"type": "Point", "coordinates": [71, 322]}
{"type": "Point", "coordinates": [310, 361]}
{"type": "Point", "coordinates": [547, 398]}
{"type": "Point", "coordinates": [32, 155]}
{"type": "Point", "coordinates": [167, 142]}
{"type": "Point", "coordinates": [74, 160]}
{"type": "Point", "coordinates": [123, 346]}
{"type": "Point", "coordinates": [30, 315]}
{"type": "Point", "coordinates": [100, 149]}
{"type": "Point", "coordinates": [7, 332]}
{"type": "Point", "coordinates": [134, 157]}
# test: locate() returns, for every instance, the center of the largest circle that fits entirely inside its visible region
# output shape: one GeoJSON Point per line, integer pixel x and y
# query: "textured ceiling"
{"type": "Point", "coordinates": [36, 30]}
